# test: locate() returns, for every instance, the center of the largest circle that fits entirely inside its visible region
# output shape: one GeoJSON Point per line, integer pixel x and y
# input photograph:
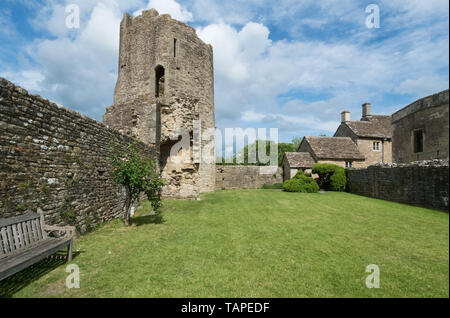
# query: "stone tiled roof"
{"type": "Point", "coordinates": [376, 126]}
{"type": "Point", "coordinates": [334, 148]}
{"type": "Point", "coordinates": [300, 159]}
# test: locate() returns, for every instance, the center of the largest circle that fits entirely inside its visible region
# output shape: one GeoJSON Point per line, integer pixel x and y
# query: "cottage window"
{"type": "Point", "coordinates": [418, 141]}
{"type": "Point", "coordinates": [349, 164]}
{"type": "Point", "coordinates": [376, 146]}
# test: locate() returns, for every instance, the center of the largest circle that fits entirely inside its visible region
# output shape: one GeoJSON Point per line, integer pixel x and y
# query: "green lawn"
{"type": "Point", "coordinates": [257, 243]}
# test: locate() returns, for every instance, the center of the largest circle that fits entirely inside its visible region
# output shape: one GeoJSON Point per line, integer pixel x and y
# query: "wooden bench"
{"type": "Point", "coordinates": [25, 240]}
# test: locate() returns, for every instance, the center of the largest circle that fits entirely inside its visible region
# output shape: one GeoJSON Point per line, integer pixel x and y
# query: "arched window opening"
{"type": "Point", "coordinates": [160, 74]}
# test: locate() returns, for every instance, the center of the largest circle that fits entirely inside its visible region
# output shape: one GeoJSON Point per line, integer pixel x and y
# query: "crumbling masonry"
{"type": "Point", "coordinates": [166, 82]}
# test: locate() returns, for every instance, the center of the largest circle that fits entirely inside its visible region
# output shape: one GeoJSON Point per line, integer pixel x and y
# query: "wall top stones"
{"type": "Point", "coordinates": [434, 100]}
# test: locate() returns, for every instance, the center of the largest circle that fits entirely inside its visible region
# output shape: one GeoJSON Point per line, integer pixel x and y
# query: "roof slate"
{"type": "Point", "coordinates": [300, 159]}
{"type": "Point", "coordinates": [376, 126]}
{"type": "Point", "coordinates": [334, 148]}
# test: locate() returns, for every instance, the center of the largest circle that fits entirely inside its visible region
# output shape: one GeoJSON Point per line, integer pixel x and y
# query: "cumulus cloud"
{"type": "Point", "coordinates": [293, 65]}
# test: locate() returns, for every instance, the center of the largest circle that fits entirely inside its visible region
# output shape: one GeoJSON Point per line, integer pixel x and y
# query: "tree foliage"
{"type": "Point", "coordinates": [301, 183]}
{"type": "Point", "coordinates": [331, 177]}
{"type": "Point", "coordinates": [137, 174]}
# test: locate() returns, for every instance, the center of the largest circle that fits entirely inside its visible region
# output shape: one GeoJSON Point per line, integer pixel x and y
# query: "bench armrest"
{"type": "Point", "coordinates": [68, 230]}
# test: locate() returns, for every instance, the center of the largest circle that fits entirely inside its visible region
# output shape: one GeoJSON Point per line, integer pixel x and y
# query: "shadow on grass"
{"type": "Point", "coordinates": [148, 219]}
{"type": "Point", "coordinates": [18, 281]}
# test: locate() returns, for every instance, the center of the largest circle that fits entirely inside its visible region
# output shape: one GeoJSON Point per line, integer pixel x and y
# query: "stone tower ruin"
{"type": "Point", "coordinates": [166, 83]}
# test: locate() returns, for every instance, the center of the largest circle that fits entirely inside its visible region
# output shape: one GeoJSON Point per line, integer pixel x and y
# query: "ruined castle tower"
{"type": "Point", "coordinates": [166, 82]}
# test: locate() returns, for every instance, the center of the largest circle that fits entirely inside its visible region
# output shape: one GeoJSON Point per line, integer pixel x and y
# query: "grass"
{"type": "Point", "coordinates": [258, 243]}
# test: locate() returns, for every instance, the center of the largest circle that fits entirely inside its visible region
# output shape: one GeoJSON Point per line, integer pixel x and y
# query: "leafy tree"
{"type": "Point", "coordinates": [331, 177]}
{"type": "Point", "coordinates": [138, 175]}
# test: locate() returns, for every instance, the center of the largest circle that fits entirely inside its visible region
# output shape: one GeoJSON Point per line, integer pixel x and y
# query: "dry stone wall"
{"type": "Point", "coordinates": [419, 183]}
{"type": "Point", "coordinates": [245, 177]}
{"type": "Point", "coordinates": [56, 159]}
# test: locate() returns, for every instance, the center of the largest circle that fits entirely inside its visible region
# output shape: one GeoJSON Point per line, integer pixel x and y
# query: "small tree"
{"type": "Point", "coordinates": [331, 177]}
{"type": "Point", "coordinates": [138, 175]}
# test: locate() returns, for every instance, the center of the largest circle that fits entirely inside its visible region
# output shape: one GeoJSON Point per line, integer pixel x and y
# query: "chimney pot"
{"type": "Point", "coordinates": [345, 116]}
{"type": "Point", "coordinates": [366, 110]}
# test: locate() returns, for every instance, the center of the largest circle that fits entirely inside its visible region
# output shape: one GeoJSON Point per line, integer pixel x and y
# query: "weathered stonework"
{"type": "Point", "coordinates": [58, 160]}
{"type": "Point", "coordinates": [418, 183]}
{"type": "Point", "coordinates": [245, 177]}
{"type": "Point", "coordinates": [165, 82]}
{"type": "Point", "coordinates": [430, 115]}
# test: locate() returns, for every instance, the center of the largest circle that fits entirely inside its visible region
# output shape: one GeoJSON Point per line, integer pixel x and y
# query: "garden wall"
{"type": "Point", "coordinates": [420, 183]}
{"type": "Point", "coordinates": [245, 177]}
{"type": "Point", "coordinates": [56, 159]}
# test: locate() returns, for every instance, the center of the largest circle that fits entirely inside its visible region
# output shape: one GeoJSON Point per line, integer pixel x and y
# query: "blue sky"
{"type": "Point", "coordinates": [293, 65]}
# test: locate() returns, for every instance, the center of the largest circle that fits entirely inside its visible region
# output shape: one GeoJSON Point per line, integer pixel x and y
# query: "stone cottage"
{"type": "Point", "coordinates": [341, 151]}
{"type": "Point", "coordinates": [372, 135]}
{"type": "Point", "coordinates": [295, 161]}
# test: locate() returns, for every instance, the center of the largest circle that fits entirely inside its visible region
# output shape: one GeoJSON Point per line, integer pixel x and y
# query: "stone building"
{"type": "Point", "coordinates": [295, 161]}
{"type": "Point", "coordinates": [420, 131]}
{"type": "Point", "coordinates": [341, 151]}
{"type": "Point", "coordinates": [372, 134]}
{"type": "Point", "coordinates": [166, 83]}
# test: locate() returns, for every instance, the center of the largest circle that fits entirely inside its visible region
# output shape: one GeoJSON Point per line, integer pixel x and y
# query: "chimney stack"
{"type": "Point", "coordinates": [366, 110]}
{"type": "Point", "coordinates": [345, 116]}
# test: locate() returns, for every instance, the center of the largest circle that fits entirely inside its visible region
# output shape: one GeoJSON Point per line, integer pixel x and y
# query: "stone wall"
{"type": "Point", "coordinates": [56, 159]}
{"type": "Point", "coordinates": [421, 183]}
{"type": "Point", "coordinates": [429, 114]}
{"type": "Point", "coordinates": [245, 177]}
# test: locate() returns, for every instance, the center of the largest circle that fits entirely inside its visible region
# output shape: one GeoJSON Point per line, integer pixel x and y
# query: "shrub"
{"type": "Point", "coordinates": [331, 177]}
{"type": "Point", "coordinates": [273, 186]}
{"type": "Point", "coordinates": [338, 180]}
{"type": "Point", "coordinates": [301, 183]}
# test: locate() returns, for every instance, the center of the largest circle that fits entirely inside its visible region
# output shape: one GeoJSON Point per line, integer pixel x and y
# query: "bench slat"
{"type": "Point", "coordinates": [1, 247]}
{"type": "Point", "coordinates": [24, 233]}
{"type": "Point", "coordinates": [16, 236]}
{"type": "Point", "coordinates": [38, 228]}
{"type": "Point", "coordinates": [20, 235]}
{"type": "Point", "coordinates": [18, 219]}
{"type": "Point", "coordinates": [12, 247]}
{"type": "Point", "coordinates": [29, 231]}
{"type": "Point", "coordinates": [5, 240]}
{"type": "Point", "coordinates": [34, 231]}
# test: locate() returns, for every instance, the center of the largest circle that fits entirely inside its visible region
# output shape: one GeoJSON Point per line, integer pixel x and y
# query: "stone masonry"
{"type": "Point", "coordinates": [428, 115]}
{"type": "Point", "coordinates": [55, 159]}
{"type": "Point", "coordinates": [244, 177]}
{"type": "Point", "coordinates": [424, 183]}
{"type": "Point", "coordinates": [166, 82]}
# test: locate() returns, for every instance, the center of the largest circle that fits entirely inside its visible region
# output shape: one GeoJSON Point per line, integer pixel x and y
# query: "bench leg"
{"type": "Point", "coordinates": [69, 252]}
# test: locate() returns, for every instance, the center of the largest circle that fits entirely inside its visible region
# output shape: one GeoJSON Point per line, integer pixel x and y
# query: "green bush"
{"type": "Point", "coordinates": [273, 186]}
{"type": "Point", "coordinates": [331, 177]}
{"type": "Point", "coordinates": [301, 183]}
{"type": "Point", "coordinates": [338, 180]}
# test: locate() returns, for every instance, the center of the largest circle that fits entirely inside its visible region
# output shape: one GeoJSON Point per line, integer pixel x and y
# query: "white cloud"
{"type": "Point", "coordinates": [168, 7]}
{"type": "Point", "coordinates": [422, 86]}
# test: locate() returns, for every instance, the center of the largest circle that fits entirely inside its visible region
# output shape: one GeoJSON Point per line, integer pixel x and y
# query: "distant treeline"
{"type": "Point", "coordinates": [282, 148]}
